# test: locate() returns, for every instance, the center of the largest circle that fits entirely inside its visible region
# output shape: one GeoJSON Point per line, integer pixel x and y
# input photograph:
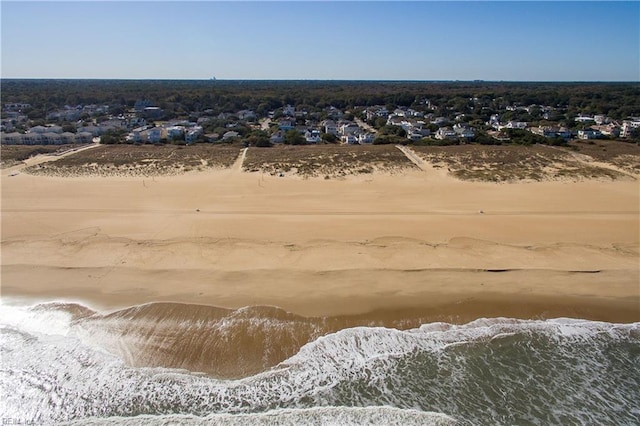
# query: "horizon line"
{"type": "Point", "coordinates": [214, 79]}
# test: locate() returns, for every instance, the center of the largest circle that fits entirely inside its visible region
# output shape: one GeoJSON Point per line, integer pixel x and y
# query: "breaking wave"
{"type": "Point", "coordinates": [67, 363]}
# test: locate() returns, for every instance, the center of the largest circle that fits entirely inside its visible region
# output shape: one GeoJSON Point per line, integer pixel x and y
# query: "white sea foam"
{"type": "Point", "coordinates": [36, 320]}
{"type": "Point", "coordinates": [500, 371]}
{"type": "Point", "coordinates": [328, 416]}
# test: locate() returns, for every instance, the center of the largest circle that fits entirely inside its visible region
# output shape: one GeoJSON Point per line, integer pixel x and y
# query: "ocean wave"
{"type": "Point", "coordinates": [497, 371]}
{"type": "Point", "coordinates": [342, 416]}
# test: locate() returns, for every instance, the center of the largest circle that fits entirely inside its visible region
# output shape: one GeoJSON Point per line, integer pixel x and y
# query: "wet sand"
{"type": "Point", "coordinates": [373, 245]}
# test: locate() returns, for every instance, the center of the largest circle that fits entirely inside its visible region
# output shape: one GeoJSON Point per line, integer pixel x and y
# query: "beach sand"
{"type": "Point", "coordinates": [374, 244]}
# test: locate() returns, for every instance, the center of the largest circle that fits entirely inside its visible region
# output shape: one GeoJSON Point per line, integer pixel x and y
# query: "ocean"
{"type": "Point", "coordinates": [166, 364]}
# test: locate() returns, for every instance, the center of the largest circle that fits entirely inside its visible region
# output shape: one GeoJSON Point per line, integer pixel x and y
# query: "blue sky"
{"type": "Point", "coordinates": [418, 40]}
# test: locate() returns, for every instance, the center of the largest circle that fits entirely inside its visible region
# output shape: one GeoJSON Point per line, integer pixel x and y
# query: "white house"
{"type": "Point", "coordinates": [349, 129]}
{"type": "Point", "coordinates": [600, 119]}
{"type": "Point", "coordinates": [446, 133]}
{"type": "Point", "coordinates": [312, 136]}
{"type": "Point", "coordinates": [520, 125]}
{"type": "Point", "coordinates": [589, 134]}
{"type": "Point", "coordinates": [583, 118]}
{"type": "Point", "coordinates": [464, 131]}
{"type": "Point", "coordinates": [365, 138]}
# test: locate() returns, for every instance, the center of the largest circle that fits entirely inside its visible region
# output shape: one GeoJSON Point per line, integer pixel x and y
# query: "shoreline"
{"type": "Point", "coordinates": [385, 310]}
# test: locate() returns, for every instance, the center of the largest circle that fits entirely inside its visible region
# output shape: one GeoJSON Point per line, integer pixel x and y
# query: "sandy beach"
{"type": "Point", "coordinates": [417, 241]}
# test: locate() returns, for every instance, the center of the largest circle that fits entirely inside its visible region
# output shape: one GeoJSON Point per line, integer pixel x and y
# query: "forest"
{"type": "Point", "coordinates": [183, 97]}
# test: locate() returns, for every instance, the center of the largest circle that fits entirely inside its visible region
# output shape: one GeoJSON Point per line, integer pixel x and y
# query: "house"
{"type": "Point", "coordinates": [289, 110]}
{"type": "Point", "coordinates": [83, 137]}
{"type": "Point", "coordinates": [464, 131]}
{"type": "Point", "coordinates": [365, 138]}
{"type": "Point", "coordinates": [31, 139]}
{"type": "Point", "coordinates": [230, 135]}
{"type": "Point", "coordinates": [175, 132]}
{"type": "Point", "coordinates": [395, 120]}
{"type": "Point", "coordinates": [583, 118]}
{"type": "Point", "coordinates": [608, 130]}
{"type": "Point", "coordinates": [154, 134]}
{"type": "Point", "coordinates": [520, 125]}
{"type": "Point", "coordinates": [349, 139]}
{"type": "Point", "coordinates": [141, 104]}
{"type": "Point", "coordinates": [439, 121]}
{"type": "Point", "coordinates": [67, 137]}
{"type": "Point", "coordinates": [64, 114]}
{"type": "Point", "coordinates": [246, 114]}
{"type": "Point", "coordinates": [50, 138]}
{"type": "Point", "coordinates": [349, 129]}
{"type": "Point", "coordinates": [211, 137]}
{"type": "Point", "coordinates": [277, 137]}
{"type": "Point", "coordinates": [193, 134]}
{"type": "Point", "coordinates": [589, 134]}
{"type": "Point", "coordinates": [334, 113]}
{"type": "Point", "coordinates": [94, 130]}
{"type": "Point", "coordinates": [374, 112]}
{"type": "Point", "coordinates": [14, 138]}
{"type": "Point", "coordinates": [312, 136]}
{"type": "Point", "coordinates": [287, 123]}
{"type": "Point", "coordinates": [414, 135]}
{"type": "Point", "coordinates": [16, 107]}
{"type": "Point", "coordinates": [413, 113]}
{"type": "Point", "coordinates": [330, 127]}
{"type": "Point", "coordinates": [551, 132]}
{"type": "Point", "coordinates": [45, 129]}
{"type": "Point", "coordinates": [446, 133]}
{"type": "Point", "coordinates": [499, 136]}
{"type": "Point", "coordinates": [600, 119]}
{"type": "Point", "coordinates": [152, 113]}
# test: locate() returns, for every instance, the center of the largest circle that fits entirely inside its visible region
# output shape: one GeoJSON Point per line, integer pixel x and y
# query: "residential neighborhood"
{"type": "Point", "coordinates": [425, 122]}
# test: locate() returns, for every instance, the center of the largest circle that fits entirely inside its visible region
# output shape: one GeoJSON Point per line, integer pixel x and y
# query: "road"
{"type": "Point", "coordinates": [45, 158]}
{"type": "Point", "coordinates": [365, 126]}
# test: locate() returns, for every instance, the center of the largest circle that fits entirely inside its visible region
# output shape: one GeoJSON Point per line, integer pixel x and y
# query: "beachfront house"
{"type": "Point", "coordinates": [154, 135]}
{"type": "Point", "coordinates": [364, 138]}
{"type": "Point", "coordinates": [446, 133]}
{"type": "Point", "coordinates": [193, 134]}
{"type": "Point", "coordinates": [277, 137]}
{"type": "Point", "coordinates": [589, 134]}
{"type": "Point", "coordinates": [312, 136]}
{"type": "Point", "coordinates": [330, 127]}
{"type": "Point", "coordinates": [464, 131]}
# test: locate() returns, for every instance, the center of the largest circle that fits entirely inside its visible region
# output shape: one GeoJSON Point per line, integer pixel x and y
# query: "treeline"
{"type": "Point", "coordinates": [182, 97]}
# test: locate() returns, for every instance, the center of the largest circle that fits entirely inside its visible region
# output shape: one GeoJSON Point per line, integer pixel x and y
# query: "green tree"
{"type": "Point", "coordinates": [293, 137]}
{"type": "Point", "coordinates": [390, 129]}
{"type": "Point", "coordinates": [329, 137]}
